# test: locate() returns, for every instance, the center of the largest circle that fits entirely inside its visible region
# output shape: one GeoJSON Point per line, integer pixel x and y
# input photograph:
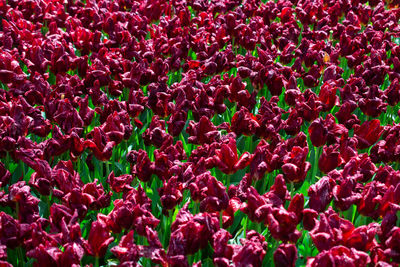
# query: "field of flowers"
{"type": "Point", "coordinates": [199, 133]}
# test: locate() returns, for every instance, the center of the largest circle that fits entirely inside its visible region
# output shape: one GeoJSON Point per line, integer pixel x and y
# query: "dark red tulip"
{"type": "Point", "coordinates": [309, 219]}
{"type": "Point", "coordinates": [269, 118]}
{"type": "Point", "coordinates": [295, 166]}
{"type": "Point", "coordinates": [252, 251]}
{"type": "Point", "coordinates": [190, 233]}
{"type": "Point", "coordinates": [345, 116]}
{"type": "Point", "coordinates": [308, 106]}
{"type": "Point", "coordinates": [293, 123]}
{"type": "Point", "coordinates": [99, 238]}
{"type": "Point", "coordinates": [156, 133]}
{"type": "Point", "coordinates": [127, 250]}
{"type": "Point", "coordinates": [210, 192]}
{"type": "Point", "coordinates": [340, 256]}
{"type": "Point", "coordinates": [45, 255]}
{"type": "Point", "coordinates": [141, 165]}
{"type": "Point", "coordinates": [362, 238]}
{"type": "Point", "coordinates": [227, 158]}
{"type": "Point", "coordinates": [120, 183]}
{"type": "Point", "coordinates": [318, 132]}
{"type": "Point", "coordinates": [330, 230]}
{"type": "Point", "coordinates": [10, 231]}
{"type": "Point", "coordinates": [330, 158]}
{"type": "Point", "coordinates": [327, 96]}
{"type": "Point", "coordinates": [100, 144]}
{"type": "Point", "coordinates": [171, 193]}
{"type": "Point", "coordinates": [222, 251]}
{"type": "Point", "coordinates": [345, 194]}
{"type": "Point", "coordinates": [28, 209]}
{"type": "Point", "coordinates": [243, 122]}
{"type": "Point", "coordinates": [320, 194]}
{"type": "Point", "coordinates": [202, 132]}
{"type": "Point", "coordinates": [367, 133]}
{"type": "Point", "coordinates": [285, 255]}
{"type": "Point", "coordinates": [393, 93]}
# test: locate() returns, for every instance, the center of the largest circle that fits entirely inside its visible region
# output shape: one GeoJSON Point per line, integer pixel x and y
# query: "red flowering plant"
{"type": "Point", "coordinates": [199, 133]}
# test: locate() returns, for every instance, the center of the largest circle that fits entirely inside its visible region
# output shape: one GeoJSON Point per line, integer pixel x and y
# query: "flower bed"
{"type": "Point", "coordinates": [199, 133]}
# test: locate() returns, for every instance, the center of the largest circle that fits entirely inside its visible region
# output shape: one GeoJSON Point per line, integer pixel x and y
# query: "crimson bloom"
{"type": "Point", "coordinates": [367, 133]}
{"type": "Point", "coordinates": [227, 158]}
{"type": "Point", "coordinates": [100, 144]}
{"type": "Point", "coordinates": [210, 192]}
{"type": "Point", "coordinates": [252, 251]}
{"type": "Point", "coordinates": [127, 250]}
{"type": "Point", "coordinates": [99, 238]}
{"type": "Point", "coordinates": [330, 158]}
{"type": "Point", "coordinates": [189, 233]}
{"type": "Point", "coordinates": [285, 255]}
{"type": "Point", "coordinates": [320, 194]}
{"type": "Point", "coordinates": [202, 132]}
{"type": "Point", "coordinates": [340, 256]}
{"type": "Point", "coordinates": [243, 122]}
{"type": "Point", "coordinates": [295, 166]}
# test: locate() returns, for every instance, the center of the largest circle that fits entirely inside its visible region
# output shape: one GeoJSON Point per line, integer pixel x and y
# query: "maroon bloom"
{"type": "Point", "coordinates": [243, 122]}
{"type": "Point", "coordinates": [252, 251]}
{"type": "Point", "coordinates": [210, 192]}
{"type": "Point", "coordinates": [99, 238]}
{"type": "Point", "coordinates": [190, 233]}
{"type": "Point", "coordinates": [318, 132]}
{"type": "Point", "coordinates": [295, 166]}
{"type": "Point", "coordinates": [227, 158]}
{"type": "Point", "coordinates": [202, 132]}
{"type": "Point", "coordinates": [120, 183]}
{"type": "Point", "coordinates": [340, 256]}
{"type": "Point", "coordinates": [127, 250]}
{"type": "Point", "coordinates": [100, 144]}
{"type": "Point", "coordinates": [330, 158]}
{"type": "Point", "coordinates": [320, 194]}
{"type": "Point", "coordinates": [285, 255]}
{"type": "Point", "coordinates": [367, 133]}
{"type": "Point", "coordinates": [327, 96]}
{"type": "Point", "coordinates": [141, 165]}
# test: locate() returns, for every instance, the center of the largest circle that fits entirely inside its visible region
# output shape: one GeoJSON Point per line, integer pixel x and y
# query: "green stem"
{"type": "Point", "coordinates": [107, 168]}
{"type": "Point", "coordinates": [96, 261]}
{"type": "Point", "coordinates": [105, 184]}
{"type": "Point", "coordinates": [101, 172]}
{"type": "Point", "coordinates": [167, 227]}
{"type": "Point", "coordinates": [195, 207]}
{"type": "Point", "coordinates": [264, 183]}
{"type": "Point", "coordinates": [7, 159]}
{"type": "Point", "coordinates": [246, 221]}
{"type": "Point", "coordinates": [258, 185]}
{"type": "Point", "coordinates": [228, 180]}
{"type": "Point", "coordinates": [21, 260]}
{"type": "Point", "coordinates": [79, 165]}
{"type": "Point", "coordinates": [19, 249]}
{"type": "Point", "coordinates": [258, 227]}
{"type": "Point", "coordinates": [221, 219]}
{"type": "Point", "coordinates": [23, 169]}
{"type": "Point", "coordinates": [145, 186]}
{"type": "Point", "coordinates": [190, 259]}
{"type": "Point", "coordinates": [317, 151]}
{"type": "Point", "coordinates": [171, 216]}
{"type": "Point", "coordinates": [291, 188]}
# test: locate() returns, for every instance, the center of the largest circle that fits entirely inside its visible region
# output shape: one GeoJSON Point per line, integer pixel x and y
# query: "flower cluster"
{"type": "Point", "coordinates": [195, 132]}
